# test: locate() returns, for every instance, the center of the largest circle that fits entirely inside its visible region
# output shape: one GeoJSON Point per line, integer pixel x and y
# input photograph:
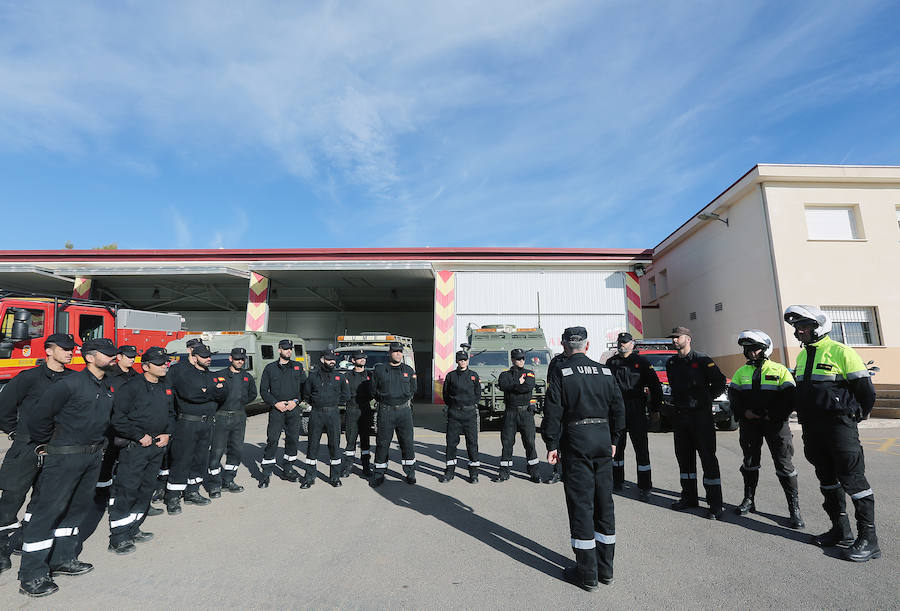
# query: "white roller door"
{"type": "Point", "coordinates": [593, 299]}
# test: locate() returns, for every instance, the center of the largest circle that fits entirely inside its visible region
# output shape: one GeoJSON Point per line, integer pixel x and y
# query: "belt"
{"type": "Point", "coordinates": [194, 418]}
{"type": "Point", "coordinates": [521, 407]}
{"type": "Point", "coordinates": [589, 421]}
{"type": "Point", "coordinates": [88, 449]}
{"type": "Point", "coordinates": [464, 407]}
{"type": "Point", "coordinates": [400, 405]}
{"type": "Point", "coordinates": [228, 412]}
{"type": "Point", "coordinates": [324, 408]}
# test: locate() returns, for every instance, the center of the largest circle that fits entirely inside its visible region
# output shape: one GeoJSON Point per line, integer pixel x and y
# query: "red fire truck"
{"type": "Point", "coordinates": [28, 319]}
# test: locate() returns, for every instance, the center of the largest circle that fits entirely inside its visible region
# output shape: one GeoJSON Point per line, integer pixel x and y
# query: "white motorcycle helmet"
{"type": "Point", "coordinates": [806, 313]}
{"type": "Point", "coordinates": [755, 337]}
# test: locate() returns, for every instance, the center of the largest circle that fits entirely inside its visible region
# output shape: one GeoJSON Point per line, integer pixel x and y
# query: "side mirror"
{"type": "Point", "coordinates": [20, 327]}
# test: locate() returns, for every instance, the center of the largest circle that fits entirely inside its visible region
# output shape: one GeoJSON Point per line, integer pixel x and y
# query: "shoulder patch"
{"type": "Point", "coordinates": [405, 375]}
{"type": "Point", "coordinates": [710, 364]}
{"type": "Point", "coordinates": [246, 379]}
{"type": "Point", "coordinates": [473, 378]}
{"type": "Point", "coordinates": [566, 371]}
{"type": "Point", "coordinates": [605, 371]}
{"type": "Point", "coordinates": [529, 374]}
{"type": "Point", "coordinates": [771, 377]}
{"type": "Point", "coordinates": [296, 367]}
{"type": "Point", "coordinates": [168, 391]}
{"type": "Point", "coordinates": [825, 366]}
{"type": "Point", "coordinates": [337, 377]}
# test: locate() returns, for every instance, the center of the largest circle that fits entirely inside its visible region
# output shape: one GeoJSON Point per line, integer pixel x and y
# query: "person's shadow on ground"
{"type": "Point", "coordinates": [462, 517]}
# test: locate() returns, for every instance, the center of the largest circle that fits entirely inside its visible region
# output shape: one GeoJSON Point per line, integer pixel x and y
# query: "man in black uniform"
{"type": "Point", "coordinates": [584, 416]}
{"type": "Point", "coordinates": [634, 373]}
{"type": "Point", "coordinates": [281, 387]}
{"type": "Point", "coordinates": [229, 426]}
{"type": "Point", "coordinates": [556, 468]}
{"type": "Point", "coordinates": [116, 377]}
{"type": "Point", "coordinates": [71, 419]}
{"type": "Point", "coordinates": [695, 381]}
{"type": "Point", "coordinates": [143, 420]}
{"type": "Point", "coordinates": [198, 391]}
{"type": "Point", "coordinates": [325, 389]}
{"type": "Point", "coordinates": [517, 384]}
{"type": "Point", "coordinates": [393, 387]}
{"type": "Point", "coordinates": [462, 390]}
{"type": "Point", "coordinates": [358, 416]}
{"type": "Point", "coordinates": [20, 465]}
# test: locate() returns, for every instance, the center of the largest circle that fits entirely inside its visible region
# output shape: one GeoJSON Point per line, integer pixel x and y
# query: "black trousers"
{"type": "Point", "coordinates": [587, 472]}
{"type": "Point", "coordinates": [695, 433]}
{"type": "Point", "coordinates": [289, 422]}
{"type": "Point", "coordinates": [108, 465]}
{"type": "Point", "coordinates": [777, 435]}
{"type": "Point", "coordinates": [189, 457]}
{"type": "Point", "coordinates": [132, 489]}
{"type": "Point", "coordinates": [831, 444]}
{"type": "Point", "coordinates": [521, 421]}
{"type": "Point", "coordinates": [358, 424]}
{"type": "Point", "coordinates": [67, 483]}
{"type": "Point", "coordinates": [227, 440]}
{"type": "Point", "coordinates": [390, 420]}
{"type": "Point", "coordinates": [462, 421]}
{"type": "Point", "coordinates": [637, 424]}
{"type": "Point", "coordinates": [327, 420]}
{"type": "Point", "coordinates": [17, 476]}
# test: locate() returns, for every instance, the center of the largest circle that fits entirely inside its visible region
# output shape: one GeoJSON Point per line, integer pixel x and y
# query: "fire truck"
{"type": "Point", "coordinates": [28, 319]}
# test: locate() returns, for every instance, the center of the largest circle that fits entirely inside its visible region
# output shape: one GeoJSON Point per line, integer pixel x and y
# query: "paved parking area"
{"type": "Point", "coordinates": [485, 546]}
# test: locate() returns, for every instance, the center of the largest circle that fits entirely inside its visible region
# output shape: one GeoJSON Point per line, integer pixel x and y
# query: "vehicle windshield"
{"type": "Point", "coordinates": [373, 357]}
{"type": "Point", "coordinates": [489, 358]}
{"type": "Point", "coordinates": [658, 360]}
{"type": "Point", "coordinates": [537, 357]}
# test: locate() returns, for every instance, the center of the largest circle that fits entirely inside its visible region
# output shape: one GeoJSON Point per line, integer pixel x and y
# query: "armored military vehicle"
{"type": "Point", "coordinates": [489, 347]}
{"type": "Point", "coordinates": [375, 344]}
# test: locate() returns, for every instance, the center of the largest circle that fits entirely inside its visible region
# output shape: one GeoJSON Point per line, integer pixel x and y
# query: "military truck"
{"type": "Point", "coordinates": [261, 347]}
{"type": "Point", "coordinates": [489, 347]}
{"type": "Point", "coordinates": [376, 345]}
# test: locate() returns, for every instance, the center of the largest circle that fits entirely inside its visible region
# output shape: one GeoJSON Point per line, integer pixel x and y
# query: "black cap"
{"type": "Point", "coordinates": [462, 355]}
{"type": "Point", "coordinates": [574, 334]}
{"type": "Point", "coordinates": [193, 342]}
{"type": "Point", "coordinates": [516, 354]}
{"type": "Point", "coordinates": [624, 338]}
{"type": "Point", "coordinates": [129, 351]}
{"type": "Point", "coordinates": [680, 331]}
{"type": "Point", "coordinates": [358, 354]}
{"type": "Point", "coordinates": [101, 344]}
{"type": "Point", "coordinates": [202, 350]}
{"type": "Point", "coordinates": [156, 355]}
{"type": "Point", "coordinates": [328, 353]}
{"type": "Point", "coordinates": [63, 340]}
{"type": "Point", "coordinates": [285, 344]}
{"type": "Point", "coordinates": [239, 353]}
{"type": "Point", "coordinates": [395, 347]}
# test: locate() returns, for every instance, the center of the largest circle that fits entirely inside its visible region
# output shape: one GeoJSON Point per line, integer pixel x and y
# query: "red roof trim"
{"type": "Point", "coordinates": [331, 254]}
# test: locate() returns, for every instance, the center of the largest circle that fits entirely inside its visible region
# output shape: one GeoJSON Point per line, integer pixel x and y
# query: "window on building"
{"type": "Point", "coordinates": [832, 223]}
{"type": "Point", "coordinates": [652, 284]}
{"type": "Point", "coordinates": [663, 282]}
{"type": "Point", "coordinates": [853, 325]}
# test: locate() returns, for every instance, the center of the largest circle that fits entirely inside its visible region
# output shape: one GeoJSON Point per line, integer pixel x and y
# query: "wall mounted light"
{"type": "Point", "coordinates": [712, 216]}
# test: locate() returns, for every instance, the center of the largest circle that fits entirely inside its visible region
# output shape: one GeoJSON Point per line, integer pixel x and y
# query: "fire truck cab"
{"type": "Point", "coordinates": [28, 319]}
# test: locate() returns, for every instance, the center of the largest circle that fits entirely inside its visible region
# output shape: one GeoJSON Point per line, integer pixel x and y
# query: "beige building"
{"type": "Point", "coordinates": [785, 234]}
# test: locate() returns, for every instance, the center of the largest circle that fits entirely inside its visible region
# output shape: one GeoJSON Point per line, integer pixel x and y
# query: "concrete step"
{"type": "Point", "coordinates": [886, 402]}
{"type": "Point", "coordinates": [886, 412]}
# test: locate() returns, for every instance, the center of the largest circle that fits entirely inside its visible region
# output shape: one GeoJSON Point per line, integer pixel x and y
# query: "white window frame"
{"type": "Point", "coordinates": [856, 226]}
{"type": "Point", "coordinates": [651, 284]}
{"type": "Point", "coordinates": [842, 315]}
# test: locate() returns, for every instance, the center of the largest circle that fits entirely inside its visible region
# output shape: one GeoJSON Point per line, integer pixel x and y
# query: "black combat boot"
{"type": "Point", "coordinates": [410, 474]}
{"type": "Point", "coordinates": [366, 466]}
{"type": "Point", "coordinates": [473, 475]}
{"type": "Point", "coordinates": [335, 476]}
{"type": "Point", "coordinates": [122, 547]}
{"type": "Point", "coordinates": [195, 498]}
{"type": "Point", "coordinates": [791, 494]}
{"type": "Point", "coordinates": [142, 537]}
{"type": "Point", "coordinates": [748, 504]}
{"type": "Point", "coordinates": [533, 474]}
{"type": "Point", "coordinates": [232, 487]}
{"type": "Point", "coordinates": [5, 560]}
{"type": "Point", "coordinates": [866, 545]}
{"type": "Point", "coordinates": [173, 505]}
{"type": "Point", "coordinates": [154, 511]}
{"type": "Point", "coordinates": [71, 568]}
{"type": "Point", "coordinates": [377, 480]}
{"type": "Point", "coordinates": [42, 586]}
{"type": "Point", "coordinates": [288, 473]}
{"type": "Point", "coordinates": [688, 495]}
{"type": "Point", "coordinates": [264, 480]}
{"type": "Point", "coordinates": [839, 535]}
{"type": "Point", "coordinates": [449, 474]}
{"type": "Point", "coordinates": [348, 465]}
{"type": "Point", "coordinates": [618, 475]}
{"type": "Point", "coordinates": [584, 573]}
{"type": "Point", "coordinates": [555, 474]}
{"type": "Point", "coordinates": [503, 475]}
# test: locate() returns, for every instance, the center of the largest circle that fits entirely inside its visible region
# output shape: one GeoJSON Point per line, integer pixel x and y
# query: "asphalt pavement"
{"type": "Point", "coordinates": [486, 546]}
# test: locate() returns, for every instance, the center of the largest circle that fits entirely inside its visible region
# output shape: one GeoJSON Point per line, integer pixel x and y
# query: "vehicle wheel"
{"type": "Point", "coordinates": [728, 425]}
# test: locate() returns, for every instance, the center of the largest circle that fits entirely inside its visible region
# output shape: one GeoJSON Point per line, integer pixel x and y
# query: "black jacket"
{"type": "Point", "coordinates": [22, 394]}
{"type": "Point", "coordinates": [143, 408]}
{"type": "Point", "coordinates": [514, 393]}
{"type": "Point", "coordinates": [199, 391]}
{"type": "Point", "coordinates": [326, 388]}
{"type": "Point", "coordinates": [695, 380]}
{"type": "Point", "coordinates": [462, 388]}
{"type": "Point", "coordinates": [282, 382]}
{"type": "Point", "coordinates": [117, 377]}
{"type": "Point", "coordinates": [393, 385]}
{"type": "Point", "coordinates": [241, 389]}
{"type": "Point", "coordinates": [581, 388]}
{"type": "Point", "coordinates": [360, 389]}
{"type": "Point", "coordinates": [634, 374]}
{"type": "Point", "coordinates": [75, 411]}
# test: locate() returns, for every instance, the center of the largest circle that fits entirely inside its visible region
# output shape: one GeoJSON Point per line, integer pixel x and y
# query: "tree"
{"type": "Point", "coordinates": [69, 245]}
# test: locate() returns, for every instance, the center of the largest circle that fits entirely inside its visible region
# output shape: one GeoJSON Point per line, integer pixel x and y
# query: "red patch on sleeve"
{"type": "Point", "coordinates": [695, 365]}
{"type": "Point", "coordinates": [246, 379]}
{"type": "Point", "coordinates": [637, 365]}
{"type": "Point", "coordinates": [297, 368]}
{"type": "Point", "coordinates": [473, 378]}
{"type": "Point", "coordinates": [405, 375]}
{"type": "Point", "coordinates": [112, 389]}
{"type": "Point", "coordinates": [168, 391]}
{"type": "Point", "coordinates": [337, 378]}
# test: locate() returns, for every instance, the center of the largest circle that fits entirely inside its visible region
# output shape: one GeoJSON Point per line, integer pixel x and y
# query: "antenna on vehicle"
{"type": "Point", "coordinates": [539, 309]}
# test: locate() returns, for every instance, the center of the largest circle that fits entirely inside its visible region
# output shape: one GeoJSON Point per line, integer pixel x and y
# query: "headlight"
{"type": "Point", "coordinates": [722, 397]}
{"type": "Point", "coordinates": [666, 390]}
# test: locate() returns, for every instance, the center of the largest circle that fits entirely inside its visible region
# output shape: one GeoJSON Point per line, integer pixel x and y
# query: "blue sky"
{"type": "Point", "coordinates": [503, 123]}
